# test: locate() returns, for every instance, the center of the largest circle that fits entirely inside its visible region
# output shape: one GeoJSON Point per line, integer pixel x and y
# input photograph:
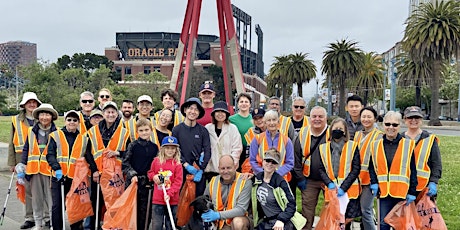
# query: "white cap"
{"type": "Point", "coordinates": [145, 98]}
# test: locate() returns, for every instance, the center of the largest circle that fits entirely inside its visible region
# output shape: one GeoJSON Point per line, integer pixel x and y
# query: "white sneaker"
{"type": "Point", "coordinates": [37, 228]}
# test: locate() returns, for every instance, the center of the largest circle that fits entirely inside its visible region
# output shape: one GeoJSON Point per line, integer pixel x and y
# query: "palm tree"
{"type": "Point", "coordinates": [278, 75]}
{"type": "Point", "coordinates": [371, 77]}
{"type": "Point", "coordinates": [413, 73]}
{"type": "Point", "coordinates": [433, 35]}
{"type": "Point", "coordinates": [300, 70]}
{"type": "Point", "coordinates": [342, 62]}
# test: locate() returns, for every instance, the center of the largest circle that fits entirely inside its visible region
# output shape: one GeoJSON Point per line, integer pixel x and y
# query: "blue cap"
{"type": "Point", "coordinates": [169, 140]}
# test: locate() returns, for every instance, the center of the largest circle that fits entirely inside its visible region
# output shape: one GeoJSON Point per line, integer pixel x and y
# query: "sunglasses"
{"type": "Point", "coordinates": [299, 106]}
{"type": "Point", "coordinates": [72, 120]}
{"type": "Point", "coordinates": [87, 101]}
{"type": "Point", "coordinates": [391, 124]}
{"type": "Point", "coordinates": [413, 118]}
{"type": "Point", "coordinates": [104, 96]}
{"type": "Point", "coordinates": [271, 161]}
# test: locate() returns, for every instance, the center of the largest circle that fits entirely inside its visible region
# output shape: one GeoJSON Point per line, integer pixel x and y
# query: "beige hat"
{"type": "Point", "coordinates": [145, 98]}
{"type": "Point", "coordinates": [29, 96]}
{"type": "Point", "coordinates": [96, 112]}
{"type": "Point", "coordinates": [45, 107]}
{"type": "Point", "coordinates": [272, 154]}
{"type": "Point", "coordinates": [110, 104]}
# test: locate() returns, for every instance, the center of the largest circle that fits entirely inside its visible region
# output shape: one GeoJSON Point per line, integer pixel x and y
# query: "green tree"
{"type": "Point", "coordinates": [342, 62]}
{"type": "Point", "coordinates": [433, 35]}
{"type": "Point", "coordinates": [278, 75]}
{"type": "Point", "coordinates": [371, 77]}
{"type": "Point", "coordinates": [449, 87]}
{"type": "Point", "coordinates": [300, 70]}
{"type": "Point", "coordinates": [413, 73]}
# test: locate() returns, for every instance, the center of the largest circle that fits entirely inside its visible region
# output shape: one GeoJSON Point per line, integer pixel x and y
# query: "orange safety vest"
{"type": "Point", "coordinates": [178, 117]}
{"type": "Point", "coordinates": [249, 135]}
{"type": "Point", "coordinates": [116, 143]}
{"type": "Point", "coordinates": [305, 143]}
{"type": "Point", "coordinates": [346, 158]}
{"type": "Point", "coordinates": [20, 128]}
{"type": "Point", "coordinates": [305, 121]}
{"type": "Point", "coordinates": [364, 153]}
{"type": "Point", "coordinates": [67, 162]}
{"type": "Point", "coordinates": [284, 123]}
{"type": "Point", "coordinates": [395, 181]}
{"type": "Point", "coordinates": [82, 123]}
{"type": "Point", "coordinates": [422, 153]}
{"type": "Point", "coordinates": [36, 161]}
{"type": "Point", "coordinates": [232, 197]}
{"type": "Point", "coordinates": [131, 127]}
{"type": "Point", "coordinates": [281, 147]}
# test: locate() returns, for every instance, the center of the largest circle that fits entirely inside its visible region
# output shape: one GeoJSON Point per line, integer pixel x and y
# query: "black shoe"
{"type": "Point", "coordinates": [48, 224]}
{"type": "Point", "coordinates": [27, 224]}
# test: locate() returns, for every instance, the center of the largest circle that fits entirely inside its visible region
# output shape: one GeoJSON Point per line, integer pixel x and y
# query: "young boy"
{"type": "Point", "coordinates": [137, 162]}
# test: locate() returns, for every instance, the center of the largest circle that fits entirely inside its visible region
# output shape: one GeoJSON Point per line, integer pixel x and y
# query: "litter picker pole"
{"type": "Point", "coordinates": [63, 204]}
{"type": "Point", "coordinates": [149, 203]}
{"type": "Point", "coordinates": [169, 209]}
{"type": "Point", "coordinates": [2, 217]}
{"type": "Point", "coordinates": [97, 204]}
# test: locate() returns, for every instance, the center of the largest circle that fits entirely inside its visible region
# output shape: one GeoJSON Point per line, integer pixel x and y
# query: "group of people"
{"type": "Point", "coordinates": [250, 163]}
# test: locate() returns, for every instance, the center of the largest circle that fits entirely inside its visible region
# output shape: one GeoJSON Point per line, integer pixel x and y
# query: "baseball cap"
{"type": "Point", "coordinates": [207, 87]}
{"type": "Point", "coordinates": [272, 154]}
{"type": "Point", "coordinates": [145, 98]}
{"type": "Point", "coordinates": [413, 111]}
{"type": "Point", "coordinates": [110, 104]}
{"type": "Point", "coordinates": [258, 113]}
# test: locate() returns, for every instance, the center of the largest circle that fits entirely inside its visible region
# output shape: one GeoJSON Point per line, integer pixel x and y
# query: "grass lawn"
{"type": "Point", "coordinates": [449, 187]}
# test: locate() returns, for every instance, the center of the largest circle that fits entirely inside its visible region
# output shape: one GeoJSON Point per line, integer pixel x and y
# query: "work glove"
{"type": "Point", "coordinates": [374, 189]}
{"type": "Point", "coordinates": [190, 169]}
{"type": "Point", "coordinates": [302, 185]}
{"type": "Point", "coordinates": [58, 174]}
{"type": "Point", "coordinates": [331, 185]}
{"type": "Point", "coordinates": [432, 189]}
{"type": "Point", "coordinates": [21, 175]}
{"type": "Point", "coordinates": [198, 175]}
{"type": "Point", "coordinates": [210, 216]}
{"type": "Point", "coordinates": [340, 192]}
{"type": "Point", "coordinates": [201, 159]}
{"type": "Point", "coordinates": [409, 199]}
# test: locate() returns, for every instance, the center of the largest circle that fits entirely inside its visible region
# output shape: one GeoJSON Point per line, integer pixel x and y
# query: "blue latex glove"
{"type": "Point", "coordinates": [374, 189]}
{"type": "Point", "coordinates": [432, 189]}
{"type": "Point", "coordinates": [198, 175]}
{"type": "Point", "coordinates": [201, 159]}
{"type": "Point", "coordinates": [331, 185]}
{"type": "Point", "coordinates": [58, 174]}
{"type": "Point", "coordinates": [21, 175]}
{"type": "Point", "coordinates": [210, 216]}
{"type": "Point", "coordinates": [409, 199]}
{"type": "Point", "coordinates": [302, 185]}
{"type": "Point", "coordinates": [190, 169]}
{"type": "Point", "coordinates": [340, 192]}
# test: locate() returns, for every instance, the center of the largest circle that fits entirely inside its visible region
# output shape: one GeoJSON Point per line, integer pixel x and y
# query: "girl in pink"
{"type": "Point", "coordinates": [166, 170]}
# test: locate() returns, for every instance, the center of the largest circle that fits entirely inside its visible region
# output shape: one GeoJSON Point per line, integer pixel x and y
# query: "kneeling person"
{"type": "Point", "coordinates": [230, 192]}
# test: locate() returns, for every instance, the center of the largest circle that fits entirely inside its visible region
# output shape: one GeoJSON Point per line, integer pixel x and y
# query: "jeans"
{"type": "Point", "coordinates": [161, 216]}
{"type": "Point", "coordinates": [367, 208]}
{"type": "Point", "coordinates": [386, 204]}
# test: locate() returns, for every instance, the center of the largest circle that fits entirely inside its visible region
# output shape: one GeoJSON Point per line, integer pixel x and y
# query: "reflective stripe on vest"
{"type": "Point", "coordinates": [116, 143]}
{"type": "Point", "coordinates": [364, 152]}
{"type": "Point", "coordinates": [178, 117]}
{"type": "Point", "coordinates": [305, 143]}
{"type": "Point", "coordinates": [36, 161]}
{"type": "Point", "coordinates": [82, 127]}
{"type": "Point", "coordinates": [131, 126]}
{"type": "Point", "coordinates": [263, 147]}
{"type": "Point", "coordinates": [67, 162]}
{"type": "Point", "coordinates": [393, 182]}
{"type": "Point", "coordinates": [305, 121]}
{"type": "Point", "coordinates": [249, 135]}
{"type": "Point", "coordinates": [346, 159]}
{"type": "Point", "coordinates": [284, 124]}
{"type": "Point", "coordinates": [422, 153]}
{"type": "Point", "coordinates": [18, 137]}
{"type": "Point", "coordinates": [232, 197]}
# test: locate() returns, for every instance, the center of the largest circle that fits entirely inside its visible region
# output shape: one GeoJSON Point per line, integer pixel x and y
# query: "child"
{"type": "Point", "coordinates": [166, 171]}
{"type": "Point", "coordinates": [136, 162]}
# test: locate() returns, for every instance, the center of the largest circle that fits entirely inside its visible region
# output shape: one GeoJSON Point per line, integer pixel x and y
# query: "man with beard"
{"type": "Point", "coordinates": [127, 109]}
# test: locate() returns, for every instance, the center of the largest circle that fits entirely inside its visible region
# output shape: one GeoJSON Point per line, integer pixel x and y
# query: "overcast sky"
{"type": "Point", "coordinates": [66, 27]}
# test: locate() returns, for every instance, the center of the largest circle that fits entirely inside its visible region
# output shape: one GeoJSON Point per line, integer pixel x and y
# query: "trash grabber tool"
{"type": "Point", "coordinates": [378, 213]}
{"type": "Point", "coordinates": [63, 204]}
{"type": "Point", "coordinates": [97, 204]}
{"type": "Point", "coordinates": [2, 217]}
{"type": "Point", "coordinates": [169, 209]}
{"type": "Point", "coordinates": [149, 204]}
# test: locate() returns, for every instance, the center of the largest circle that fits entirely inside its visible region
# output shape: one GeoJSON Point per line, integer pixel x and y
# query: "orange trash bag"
{"type": "Point", "coordinates": [123, 213]}
{"type": "Point", "coordinates": [330, 217]}
{"type": "Point", "coordinates": [246, 166]}
{"type": "Point", "coordinates": [78, 201]}
{"type": "Point", "coordinates": [403, 216]}
{"type": "Point", "coordinates": [187, 195]}
{"type": "Point", "coordinates": [111, 181]}
{"type": "Point", "coordinates": [21, 192]}
{"type": "Point", "coordinates": [429, 213]}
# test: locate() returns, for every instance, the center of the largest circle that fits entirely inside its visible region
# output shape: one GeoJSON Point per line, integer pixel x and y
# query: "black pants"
{"type": "Point", "coordinates": [143, 201]}
{"type": "Point", "coordinates": [56, 208]}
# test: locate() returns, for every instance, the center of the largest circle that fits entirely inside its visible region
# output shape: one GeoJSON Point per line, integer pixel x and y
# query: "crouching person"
{"type": "Point", "coordinates": [230, 192]}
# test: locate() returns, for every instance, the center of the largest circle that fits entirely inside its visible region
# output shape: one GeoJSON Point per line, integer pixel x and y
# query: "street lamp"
{"type": "Point", "coordinates": [329, 96]}
{"type": "Point", "coordinates": [316, 95]}
{"type": "Point", "coordinates": [393, 86]}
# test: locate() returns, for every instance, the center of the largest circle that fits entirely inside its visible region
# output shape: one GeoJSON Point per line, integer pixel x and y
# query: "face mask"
{"type": "Point", "coordinates": [337, 134]}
